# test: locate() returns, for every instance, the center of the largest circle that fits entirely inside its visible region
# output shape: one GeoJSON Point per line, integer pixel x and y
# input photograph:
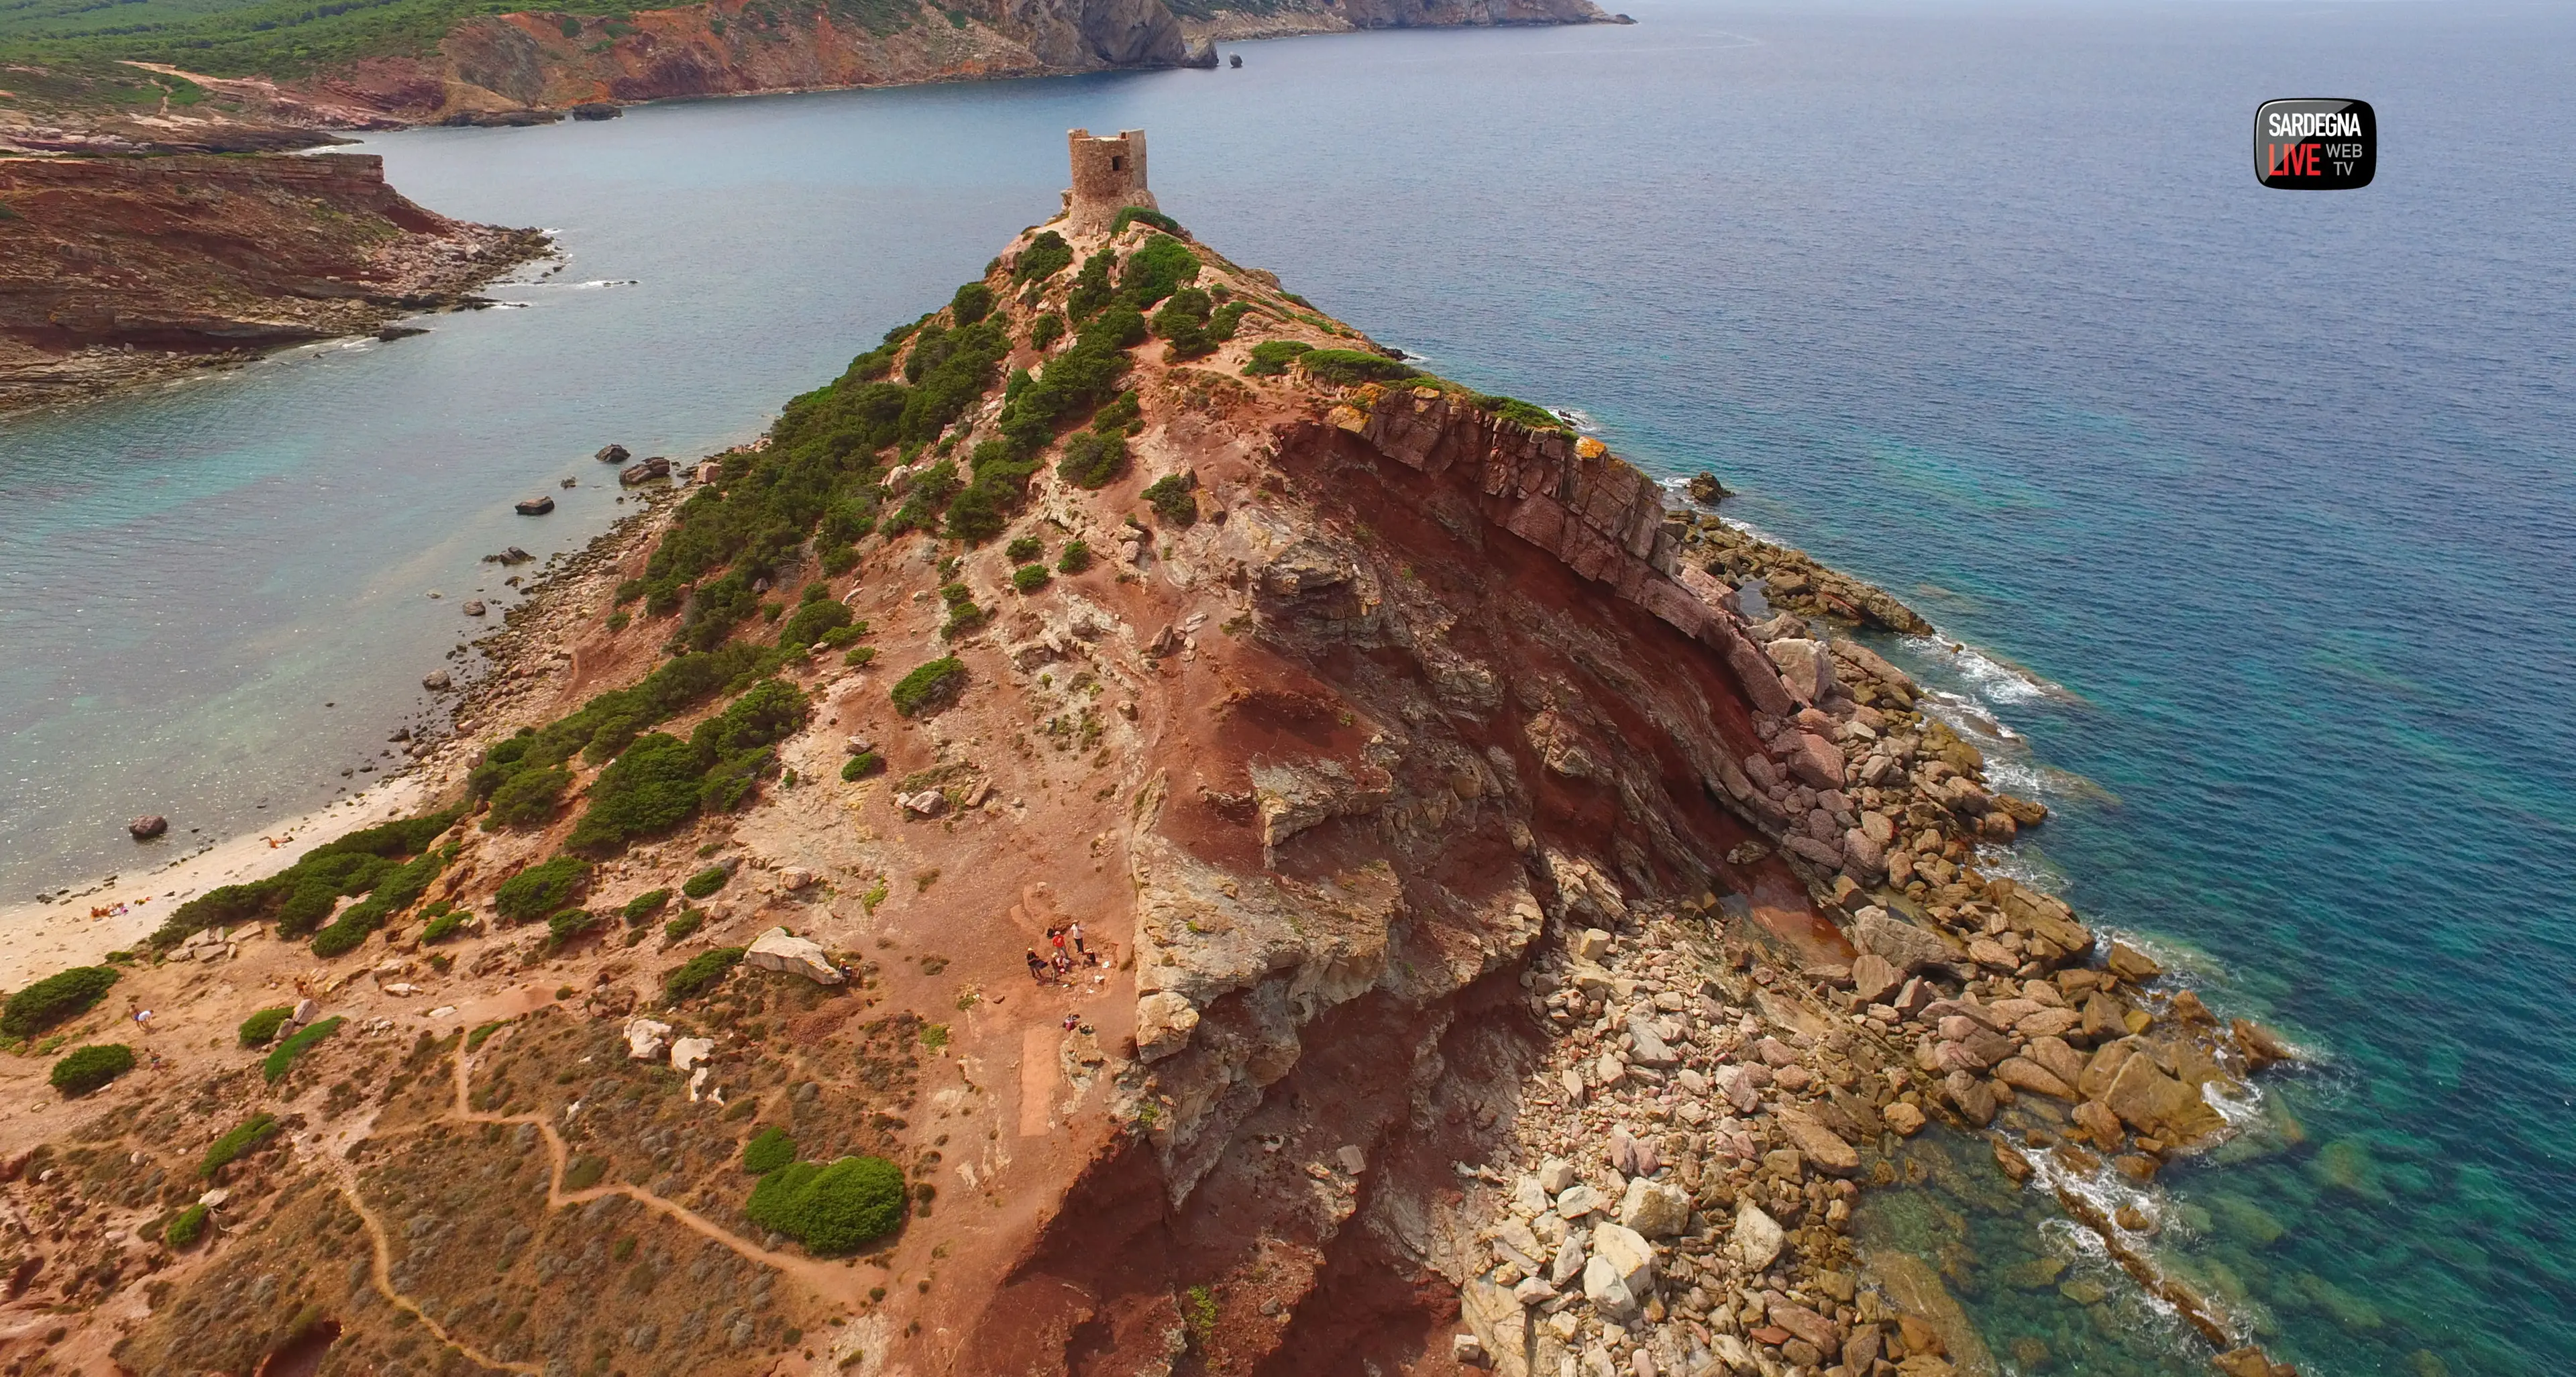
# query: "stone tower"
{"type": "Point", "coordinates": [1108, 174]}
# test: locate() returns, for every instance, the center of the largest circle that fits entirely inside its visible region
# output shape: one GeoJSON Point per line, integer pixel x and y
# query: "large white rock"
{"type": "Point", "coordinates": [1608, 1294]}
{"type": "Point", "coordinates": [646, 1037]}
{"type": "Point", "coordinates": [1757, 1238]}
{"type": "Point", "coordinates": [688, 1052]}
{"type": "Point", "coordinates": [779, 950]}
{"type": "Point", "coordinates": [1629, 1254]}
{"type": "Point", "coordinates": [1164, 1021]}
{"type": "Point", "coordinates": [1647, 1046]}
{"type": "Point", "coordinates": [1500, 1326]}
{"type": "Point", "coordinates": [1654, 1209]}
{"type": "Point", "coordinates": [1554, 1175]}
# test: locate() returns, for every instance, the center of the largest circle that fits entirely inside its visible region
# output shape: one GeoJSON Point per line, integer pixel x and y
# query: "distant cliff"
{"type": "Point", "coordinates": [1230, 22]}
{"type": "Point", "coordinates": [113, 269]}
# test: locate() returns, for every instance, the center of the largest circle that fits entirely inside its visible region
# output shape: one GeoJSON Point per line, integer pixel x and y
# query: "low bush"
{"type": "Point", "coordinates": [1023, 549]}
{"type": "Point", "coordinates": [1092, 460]}
{"type": "Point", "coordinates": [440, 928]}
{"type": "Point", "coordinates": [930, 687]}
{"type": "Point", "coordinates": [650, 788]}
{"type": "Point", "coordinates": [1029, 578]}
{"type": "Point", "coordinates": [1046, 255]}
{"type": "Point", "coordinates": [831, 1209]}
{"type": "Point", "coordinates": [862, 765]}
{"type": "Point", "coordinates": [1271, 357]}
{"type": "Point", "coordinates": [58, 998]}
{"type": "Point", "coordinates": [814, 619]}
{"type": "Point", "coordinates": [705, 882]}
{"type": "Point", "coordinates": [541, 889]}
{"type": "Point", "coordinates": [860, 657]}
{"type": "Point", "coordinates": [1045, 330]}
{"type": "Point", "coordinates": [282, 1059]}
{"type": "Point", "coordinates": [1172, 499]}
{"type": "Point", "coordinates": [768, 1150]}
{"type": "Point", "coordinates": [1519, 412]}
{"type": "Point", "coordinates": [1345, 367]}
{"type": "Point", "coordinates": [640, 909]}
{"type": "Point", "coordinates": [1158, 268]}
{"type": "Point", "coordinates": [527, 798]}
{"type": "Point", "coordinates": [972, 303]}
{"type": "Point", "coordinates": [700, 973]}
{"type": "Point", "coordinates": [689, 921]}
{"type": "Point", "coordinates": [299, 897]}
{"type": "Point", "coordinates": [86, 1068]}
{"type": "Point", "coordinates": [186, 1227]}
{"type": "Point", "coordinates": [256, 1030]}
{"type": "Point", "coordinates": [1076, 557]}
{"type": "Point", "coordinates": [584, 1172]}
{"type": "Point", "coordinates": [570, 925]}
{"type": "Point", "coordinates": [241, 1139]}
{"type": "Point", "coordinates": [1128, 215]}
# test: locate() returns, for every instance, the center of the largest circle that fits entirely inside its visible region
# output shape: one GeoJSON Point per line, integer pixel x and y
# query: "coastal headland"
{"type": "Point", "coordinates": [1452, 935]}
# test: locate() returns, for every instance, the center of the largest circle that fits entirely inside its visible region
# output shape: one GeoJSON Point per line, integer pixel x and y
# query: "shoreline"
{"type": "Point", "coordinates": [44, 937]}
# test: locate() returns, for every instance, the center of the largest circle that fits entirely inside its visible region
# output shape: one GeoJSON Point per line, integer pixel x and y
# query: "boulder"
{"type": "Point", "coordinates": [148, 826]}
{"type": "Point", "coordinates": [645, 1038]}
{"type": "Point", "coordinates": [473, 607]}
{"type": "Point", "coordinates": [1757, 1238]}
{"type": "Point", "coordinates": [437, 681]}
{"type": "Point", "coordinates": [534, 506]}
{"type": "Point", "coordinates": [1591, 945]}
{"type": "Point", "coordinates": [1823, 1148]}
{"type": "Point", "coordinates": [1905, 946]}
{"type": "Point", "coordinates": [687, 1053]}
{"type": "Point", "coordinates": [2022, 1073]}
{"type": "Point", "coordinates": [1609, 1295]}
{"type": "Point", "coordinates": [1653, 1209]}
{"type": "Point", "coordinates": [926, 804]}
{"type": "Point", "coordinates": [782, 951]}
{"type": "Point", "coordinates": [1704, 489]}
{"type": "Point", "coordinates": [1904, 1118]}
{"type": "Point", "coordinates": [1815, 762]}
{"type": "Point", "coordinates": [1164, 1021]}
{"type": "Point", "coordinates": [2131, 964]}
{"type": "Point", "coordinates": [651, 470]}
{"type": "Point", "coordinates": [2261, 1046]}
{"type": "Point", "coordinates": [1970, 1096]}
{"type": "Point", "coordinates": [1802, 1322]}
{"type": "Point", "coordinates": [1649, 1049]}
{"type": "Point", "coordinates": [611, 454]}
{"type": "Point", "coordinates": [2158, 1105]}
{"type": "Point", "coordinates": [1874, 977]}
{"type": "Point", "coordinates": [598, 110]}
{"type": "Point", "coordinates": [1499, 1327]}
{"type": "Point", "coordinates": [1555, 1175]}
{"type": "Point", "coordinates": [1578, 1200]}
{"type": "Point", "coordinates": [1630, 1258]}
{"type": "Point", "coordinates": [2061, 1060]}
{"type": "Point", "coordinates": [1808, 671]}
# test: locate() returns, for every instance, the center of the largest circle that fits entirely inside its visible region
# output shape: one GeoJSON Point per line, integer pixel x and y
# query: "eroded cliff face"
{"type": "Point", "coordinates": [1333, 16]}
{"type": "Point", "coordinates": [111, 267]}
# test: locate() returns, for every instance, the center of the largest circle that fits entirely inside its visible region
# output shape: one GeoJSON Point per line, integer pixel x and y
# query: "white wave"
{"type": "Point", "coordinates": [1990, 678]}
{"type": "Point", "coordinates": [2022, 868]}
{"type": "Point", "coordinates": [1968, 714]}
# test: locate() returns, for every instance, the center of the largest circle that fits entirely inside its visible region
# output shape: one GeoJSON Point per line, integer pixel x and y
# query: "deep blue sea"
{"type": "Point", "coordinates": [2270, 497]}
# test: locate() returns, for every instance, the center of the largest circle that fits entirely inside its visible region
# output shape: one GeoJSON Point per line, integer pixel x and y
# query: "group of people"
{"type": "Point", "coordinates": [1066, 939]}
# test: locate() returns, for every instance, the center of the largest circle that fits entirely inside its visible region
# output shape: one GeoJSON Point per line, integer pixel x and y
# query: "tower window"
{"type": "Point", "coordinates": [1117, 164]}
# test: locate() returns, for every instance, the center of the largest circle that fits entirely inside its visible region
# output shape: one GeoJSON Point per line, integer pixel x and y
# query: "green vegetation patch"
{"type": "Point", "coordinates": [1029, 578]}
{"type": "Point", "coordinates": [88, 1067]}
{"type": "Point", "coordinates": [1346, 367]}
{"type": "Point", "coordinates": [527, 798]}
{"type": "Point", "coordinates": [185, 1227]}
{"type": "Point", "coordinates": [1076, 557]}
{"type": "Point", "coordinates": [700, 973]}
{"type": "Point", "coordinates": [237, 1142]}
{"type": "Point", "coordinates": [833, 1208]}
{"type": "Point", "coordinates": [706, 881]}
{"type": "Point", "coordinates": [769, 1150]}
{"type": "Point", "coordinates": [1172, 499]}
{"type": "Point", "coordinates": [58, 998]}
{"type": "Point", "coordinates": [860, 766]}
{"type": "Point", "coordinates": [257, 1029]}
{"type": "Point", "coordinates": [299, 897]}
{"type": "Point", "coordinates": [640, 909]}
{"type": "Point", "coordinates": [1520, 413]}
{"type": "Point", "coordinates": [1271, 357]}
{"type": "Point", "coordinates": [541, 889]}
{"type": "Point", "coordinates": [930, 687]}
{"type": "Point", "coordinates": [1128, 215]}
{"type": "Point", "coordinates": [442, 927]}
{"type": "Point", "coordinates": [1092, 460]}
{"type": "Point", "coordinates": [282, 1059]}
{"type": "Point", "coordinates": [1046, 255]}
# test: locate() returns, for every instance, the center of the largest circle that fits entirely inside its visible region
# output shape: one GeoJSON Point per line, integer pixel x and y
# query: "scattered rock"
{"type": "Point", "coordinates": [1705, 490]}
{"type": "Point", "coordinates": [779, 950]}
{"type": "Point", "coordinates": [1164, 1021]}
{"type": "Point", "coordinates": [1822, 1147]}
{"type": "Point", "coordinates": [612, 454]}
{"type": "Point", "coordinates": [437, 681]}
{"type": "Point", "coordinates": [534, 506]}
{"type": "Point", "coordinates": [148, 826]}
{"type": "Point", "coordinates": [686, 1053]}
{"type": "Point", "coordinates": [1757, 1238]}
{"type": "Point", "coordinates": [1653, 1209]}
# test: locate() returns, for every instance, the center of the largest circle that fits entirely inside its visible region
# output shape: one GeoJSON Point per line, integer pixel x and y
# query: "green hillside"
{"type": "Point", "coordinates": [284, 38]}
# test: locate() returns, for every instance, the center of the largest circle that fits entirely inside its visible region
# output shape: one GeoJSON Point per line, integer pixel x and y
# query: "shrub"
{"type": "Point", "coordinates": [530, 796]}
{"type": "Point", "coordinates": [973, 302]}
{"type": "Point", "coordinates": [88, 1067]}
{"type": "Point", "coordinates": [1024, 549]}
{"type": "Point", "coordinates": [243, 1137]}
{"type": "Point", "coordinates": [862, 765]}
{"type": "Point", "coordinates": [299, 897]}
{"type": "Point", "coordinates": [962, 619]}
{"type": "Point", "coordinates": [769, 1150]}
{"type": "Point", "coordinates": [689, 921]}
{"type": "Point", "coordinates": [814, 620]}
{"type": "Point", "coordinates": [705, 882]}
{"type": "Point", "coordinates": [1345, 367]}
{"type": "Point", "coordinates": [840, 559]}
{"type": "Point", "coordinates": [1093, 460]}
{"type": "Point", "coordinates": [726, 787]}
{"type": "Point", "coordinates": [441, 928]}
{"type": "Point", "coordinates": [862, 656]}
{"type": "Point", "coordinates": [57, 998]}
{"type": "Point", "coordinates": [1045, 256]}
{"type": "Point", "coordinates": [1519, 412]}
{"type": "Point", "coordinates": [1123, 414]}
{"type": "Point", "coordinates": [1271, 357]}
{"type": "Point", "coordinates": [256, 1030]}
{"type": "Point", "coordinates": [640, 909]}
{"type": "Point", "coordinates": [1154, 271]}
{"type": "Point", "coordinates": [563, 928]}
{"type": "Point", "coordinates": [650, 788]}
{"type": "Point", "coordinates": [1045, 330]}
{"type": "Point", "coordinates": [1029, 578]}
{"type": "Point", "coordinates": [830, 1209]}
{"type": "Point", "coordinates": [1128, 215]}
{"type": "Point", "coordinates": [186, 1227]}
{"type": "Point", "coordinates": [1090, 290]}
{"type": "Point", "coordinates": [700, 972]}
{"type": "Point", "coordinates": [284, 1056]}
{"type": "Point", "coordinates": [584, 1172]}
{"type": "Point", "coordinates": [1076, 557]}
{"type": "Point", "coordinates": [930, 687]}
{"type": "Point", "coordinates": [1170, 496]}
{"type": "Point", "coordinates": [541, 889]}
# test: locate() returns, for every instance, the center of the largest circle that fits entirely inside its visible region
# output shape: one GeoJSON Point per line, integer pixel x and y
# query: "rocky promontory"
{"type": "Point", "coordinates": [114, 269]}
{"type": "Point", "coordinates": [1133, 831]}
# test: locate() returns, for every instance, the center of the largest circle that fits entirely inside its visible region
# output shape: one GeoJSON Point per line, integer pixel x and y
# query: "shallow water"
{"type": "Point", "coordinates": [2272, 492]}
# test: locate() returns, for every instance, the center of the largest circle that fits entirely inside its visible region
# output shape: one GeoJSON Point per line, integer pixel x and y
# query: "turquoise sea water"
{"type": "Point", "coordinates": [2272, 495]}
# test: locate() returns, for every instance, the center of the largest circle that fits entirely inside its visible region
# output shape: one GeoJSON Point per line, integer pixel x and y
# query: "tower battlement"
{"type": "Point", "coordinates": [1108, 174]}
